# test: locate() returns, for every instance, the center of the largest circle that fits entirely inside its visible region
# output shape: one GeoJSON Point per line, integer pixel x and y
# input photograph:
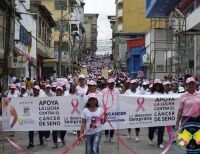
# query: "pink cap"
{"type": "Point", "coordinates": [92, 83]}
{"type": "Point", "coordinates": [12, 86]}
{"type": "Point", "coordinates": [23, 87]}
{"type": "Point", "coordinates": [111, 81]}
{"type": "Point", "coordinates": [59, 88]}
{"type": "Point", "coordinates": [92, 95]}
{"type": "Point", "coordinates": [36, 87]}
{"type": "Point", "coordinates": [47, 86]}
{"type": "Point", "coordinates": [54, 84]}
{"type": "Point", "coordinates": [133, 81]}
{"type": "Point", "coordinates": [190, 79]}
{"type": "Point", "coordinates": [166, 83]}
{"type": "Point", "coordinates": [157, 81]}
{"type": "Point", "coordinates": [128, 81]}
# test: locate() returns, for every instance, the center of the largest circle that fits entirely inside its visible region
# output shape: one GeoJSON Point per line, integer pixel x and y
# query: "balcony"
{"type": "Point", "coordinates": [120, 28]}
{"type": "Point", "coordinates": [120, 13]}
{"type": "Point", "coordinates": [192, 22]}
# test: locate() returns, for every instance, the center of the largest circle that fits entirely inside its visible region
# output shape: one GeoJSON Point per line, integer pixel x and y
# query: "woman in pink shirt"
{"type": "Point", "coordinates": [189, 112]}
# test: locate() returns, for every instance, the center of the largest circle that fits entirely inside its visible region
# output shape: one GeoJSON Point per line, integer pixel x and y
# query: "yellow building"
{"type": "Point", "coordinates": [61, 13]}
{"type": "Point", "coordinates": [131, 16]}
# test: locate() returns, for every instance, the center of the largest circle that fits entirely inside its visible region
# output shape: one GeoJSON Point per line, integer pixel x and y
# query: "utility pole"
{"type": "Point", "coordinates": [9, 42]}
{"type": "Point", "coordinates": [60, 45]}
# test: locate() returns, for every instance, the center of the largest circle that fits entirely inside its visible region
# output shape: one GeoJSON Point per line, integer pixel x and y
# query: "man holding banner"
{"type": "Point", "coordinates": [36, 93]}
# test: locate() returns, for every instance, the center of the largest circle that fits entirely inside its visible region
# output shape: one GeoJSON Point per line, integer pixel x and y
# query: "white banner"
{"type": "Point", "coordinates": [64, 113]}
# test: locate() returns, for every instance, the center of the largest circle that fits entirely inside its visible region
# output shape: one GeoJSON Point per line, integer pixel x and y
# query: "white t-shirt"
{"type": "Point", "coordinates": [81, 90]}
{"type": "Point", "coordinates": [93, 122]}
{"type": "Point", "coordinates": [16, 94]}
{"type": "Point", "coordinates": [129, 92]}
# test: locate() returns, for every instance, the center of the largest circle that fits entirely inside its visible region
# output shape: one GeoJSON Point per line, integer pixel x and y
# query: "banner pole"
{"type": "Point", "coordinates": [118, 124]}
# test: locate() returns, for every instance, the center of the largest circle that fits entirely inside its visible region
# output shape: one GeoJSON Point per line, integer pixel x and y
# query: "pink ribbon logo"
{"type": "Point", "coordinates": [75, 105]}
{"type": "Point", "coordinates": [140, 102]}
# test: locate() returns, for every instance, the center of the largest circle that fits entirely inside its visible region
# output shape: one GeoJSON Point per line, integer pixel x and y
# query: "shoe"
{"type": "Point", "coordinates": [106, 139]}
{"type": "Point", "coordinates": [59, 140]}
{"type": "Point", "coordinates": [74, 133]}
{"type": "Point", "coordinates": [63, 142]}
{"type": "Point", "coordinates": [30, 146]}
{"type": "Point", "coordinates": [12, 134]}
{"type": "Point", "coordinates": [137, 139]}
{"type": "Point", "coordinates": [47, 139]}
{"type": "Point", "coordinates": [150, 142]}
{"type": "Point", "coordinates": [55, 146]}
{"type": "Point", "coordinates": [161, 146]}
{"type": "Point", "coordinates": [111, 140]}
{"type": "Point", "coordinates": [128, 137]}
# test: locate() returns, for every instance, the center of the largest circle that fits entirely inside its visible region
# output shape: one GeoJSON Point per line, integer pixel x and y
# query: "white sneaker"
{"type": "Point", "coordinates": [48, 139]}
{"type": "Point", "coordinates": [106, 138]}
{"type": "Point", "coordinates": [150, 142]}
{"type": "Point", "coordinates": [137, 139]}
{"type": "Point", "coordinates": [74, 133]}
{"type": "Point", "coordinates": [161, 146]}
{"type": "Point", "coordinates": [59, 140]}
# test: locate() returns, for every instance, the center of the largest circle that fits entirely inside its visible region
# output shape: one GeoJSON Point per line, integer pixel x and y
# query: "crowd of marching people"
{"type": "Point", "coordinates": [79, 85]}
{"type": "Point", "coordinates": [95, 85]}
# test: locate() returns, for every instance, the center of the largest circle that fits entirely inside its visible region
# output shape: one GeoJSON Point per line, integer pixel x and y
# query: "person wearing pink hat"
{"type": "Point", "coordinates": [133, 91]}
{"type": "Point", "coordinates": [92, 88]}
{"type": "Point", "coordinates": [93, 117]}
{"type": "Point", "coordinates": [157, 89]}
{"type": "Point", "coordinates": [23, 92]}
{"type": "Point", "coordinates": [189, 112]}
{"type": "Point", "coordinates": [166, 85]}
{"type": "Point", "coordinates": [36, 93]}
{"type": "Point", "coordinates": [59, 92]}
{"type": "Point", "coordinates": [47, 91]}
{"type": "Point", "coordinates": [82, 88]}
{"type": "Point", "coordinates": [110, 91]}
{"type": "Point", "coordinates": [12, 92]}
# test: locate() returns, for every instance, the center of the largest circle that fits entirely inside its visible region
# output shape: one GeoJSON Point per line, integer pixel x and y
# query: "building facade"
{"type": "Point", "coordinates": [45, 23]}
{"type": "Point", "coordinates": [131, 23]}
{"type": "Point", "coordinates": [3, 7]}
{"type": "Point", "coordinates": [23, 61]}
{"type": "Point", "coordinates": [90, 24]}
{"type": "Point", "coordinates": [183, 28]}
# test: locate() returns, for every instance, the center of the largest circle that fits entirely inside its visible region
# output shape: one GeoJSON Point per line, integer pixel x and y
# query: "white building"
{"type": "Point", "coordinates": [24, 56]}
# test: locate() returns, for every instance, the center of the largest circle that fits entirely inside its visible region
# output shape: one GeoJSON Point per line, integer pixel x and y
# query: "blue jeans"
{"type": "Point", "coordinates": [92, 143]}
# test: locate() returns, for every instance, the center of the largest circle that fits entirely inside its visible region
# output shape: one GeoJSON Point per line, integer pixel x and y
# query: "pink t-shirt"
{"type": "Point", "coordinates": [190, 103]}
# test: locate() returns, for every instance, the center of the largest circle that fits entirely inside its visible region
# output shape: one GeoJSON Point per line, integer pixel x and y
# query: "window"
{"type": "Point", "coordinates": [49, 36]}
{"type": "Point", "coordinates": [90, 18]}
{"type": "Point", "coordinates": [43, 31]}
{"type": "Point", "coordinates": [65, 46]}
{"type": "Point", "coordinates": [60, 5]}
{"type": "Point", "coordinates": [160, 68]}
{"type": "Point", "coordinates": [40, 28]}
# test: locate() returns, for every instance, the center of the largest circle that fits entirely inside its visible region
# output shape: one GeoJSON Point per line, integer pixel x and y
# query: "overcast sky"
{"type": "Point", "coordinates": [103, 8]}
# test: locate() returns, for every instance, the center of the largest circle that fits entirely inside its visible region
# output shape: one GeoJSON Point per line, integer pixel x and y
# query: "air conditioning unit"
{"type": "Point", "coordinates": [13, 62]}
{"type": "Point", "coordinates": [22, 59]}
